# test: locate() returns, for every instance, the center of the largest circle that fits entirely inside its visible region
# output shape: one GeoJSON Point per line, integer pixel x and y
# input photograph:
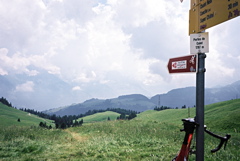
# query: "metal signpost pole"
{"type": "Point", "coordinates": [200, 107]}
{"type": "Point", "coordinates": [204, 14]}
{"type": "Point", "coordinates": [200, 76]}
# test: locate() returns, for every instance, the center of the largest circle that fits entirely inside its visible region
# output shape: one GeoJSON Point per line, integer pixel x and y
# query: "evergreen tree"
{"type": "Point", "coordinates": [41, 124]}
{"type": "Point", "coordinates": [131, 116]}
{"type": "Point", "coordinates": [75, 123]}
{"type": "Point", "coordinates": [5, 102]}
{"type": "Point", "coordinates": [63, 126]}
{"type": "Point", "coordinates": [56, 125]}
{"type": "Point", "coordinates": [122, 117]}
{"type": "Point", "coordinates": [81, 122]}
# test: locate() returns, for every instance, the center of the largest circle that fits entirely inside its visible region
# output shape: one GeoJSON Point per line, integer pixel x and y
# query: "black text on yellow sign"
{"type": "Point", "coordinates": [208, 13]}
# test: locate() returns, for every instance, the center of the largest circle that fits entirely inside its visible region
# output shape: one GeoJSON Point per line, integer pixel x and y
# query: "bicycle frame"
{"type": "Point", "coordinates": [189, 127]}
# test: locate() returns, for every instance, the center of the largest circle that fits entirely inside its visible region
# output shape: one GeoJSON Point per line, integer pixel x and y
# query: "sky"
{"type": "Point", "coordinates": [106, 48]}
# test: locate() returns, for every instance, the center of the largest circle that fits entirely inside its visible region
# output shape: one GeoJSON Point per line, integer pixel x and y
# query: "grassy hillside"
{"type": "Point", "coordinates": [103, 116]}
{"type": "Point", "coordinates": [151, 136]}
{"type": "Point", "coordinates": [9, 117]}
{"type": "Point", "coordinates": [224, 116]}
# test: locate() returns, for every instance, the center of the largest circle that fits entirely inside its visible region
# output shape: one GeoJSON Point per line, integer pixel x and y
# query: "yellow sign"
{"type": "Point", "coordinates": [208, 13]}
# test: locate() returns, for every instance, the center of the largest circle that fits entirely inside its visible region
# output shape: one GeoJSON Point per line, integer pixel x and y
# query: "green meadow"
{"type": "Point", "coordinates": [103, 116]}
{"type": "Point", "coordinates": [9, 117]}
{"type": "Point", "coordinates": [152, 135]}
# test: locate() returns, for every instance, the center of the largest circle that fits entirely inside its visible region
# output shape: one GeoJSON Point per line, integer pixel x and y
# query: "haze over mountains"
{"type": "Point", "coordinates": [56, 53]}
{"type": "Point", "coordinates": [137, 102]}
{"type": "Point", "coordinates": [47, 91]}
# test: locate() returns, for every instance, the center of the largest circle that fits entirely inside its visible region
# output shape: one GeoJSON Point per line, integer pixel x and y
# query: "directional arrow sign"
{"type": "Point", "coordinates": [183, 64]}
{"type": "Point", "coordinates": [208, 13]}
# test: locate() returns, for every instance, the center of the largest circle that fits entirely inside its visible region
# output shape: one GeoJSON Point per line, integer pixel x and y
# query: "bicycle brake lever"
{"type": "Point", "coordinates": [224, 141]}
{"type": "Point", "coordinates": [227, 138]}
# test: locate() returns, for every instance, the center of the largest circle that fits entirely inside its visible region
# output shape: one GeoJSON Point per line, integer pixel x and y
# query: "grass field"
{"type": "Point", "coordinates": [9, 117]}
{"type": "Point", "coordinates": [103, 116]}
{"type": "Point", "coordinates": [151, 136]}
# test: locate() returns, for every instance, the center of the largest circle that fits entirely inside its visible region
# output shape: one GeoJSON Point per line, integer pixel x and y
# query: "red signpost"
{"type": "Point", "coordinates": [184, 64]}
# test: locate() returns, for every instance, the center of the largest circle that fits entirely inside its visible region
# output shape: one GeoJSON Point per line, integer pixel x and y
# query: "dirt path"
{"type": "Point", "coordinates": [77, 136]}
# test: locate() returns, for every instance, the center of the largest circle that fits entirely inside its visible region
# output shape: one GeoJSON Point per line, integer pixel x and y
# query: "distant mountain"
{"type": "Point", "coordinates": [137, 102]}
{"type": "Point", "coordinates": [44, 91]}
{"type": "Point", "coordinates": [176, 98]}
{"type": "Point", "coordinates": [134, 102]}
{"type": "Point", "coordinates": [228, 92]}
{"type": "Point", "coordinates": [187, 96]}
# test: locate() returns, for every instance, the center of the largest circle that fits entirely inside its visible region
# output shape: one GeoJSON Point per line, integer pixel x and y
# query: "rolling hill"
{"type": "Point", "coordinates": [153, 135]}
{"type": "Point", "coordinates": [9, 117]}
{"type": "Point", "coordinates": [137, 102]}
{"type": "Point", "coordinates": [103, 116]}
{"type": "Point", "coordinates": [223, 115]}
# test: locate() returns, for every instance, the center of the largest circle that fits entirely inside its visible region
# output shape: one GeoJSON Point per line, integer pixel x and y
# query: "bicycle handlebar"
{"type": "Point", "coordinates": [223, 140]}
{"type": "Point", "coordinates": [189, 125]}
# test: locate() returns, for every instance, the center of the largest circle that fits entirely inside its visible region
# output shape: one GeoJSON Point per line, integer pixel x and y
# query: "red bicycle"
{"type": "Point", "coordinates": [189, 127]}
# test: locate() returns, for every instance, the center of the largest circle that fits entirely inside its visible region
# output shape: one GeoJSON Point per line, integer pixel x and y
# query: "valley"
{"type": "Point", "coordinates": [152, 135]}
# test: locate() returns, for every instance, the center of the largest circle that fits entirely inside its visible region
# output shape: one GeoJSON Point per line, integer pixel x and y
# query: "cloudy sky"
{"type": "Point", "coordinates": [107, 48]}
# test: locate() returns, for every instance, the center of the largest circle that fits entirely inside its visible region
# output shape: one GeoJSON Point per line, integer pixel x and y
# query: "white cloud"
{"type": "Point", "coordinates": [238, 58]}
{"type": "Point", "coordinates": [25, 87]}
{"type": "Point", "coordinates": [19, 21]}
{"type": "Point", "coordinates": [75, 49]}
{"type": "Point", "coordinates": [76, 88]}
{"type": "Point", "coordinates": [14, 63]}
{"type": "Point", "coordinates": [119, 45]}
{"type": "Point", "coordinates": [18, 63]}
{"type": "Point", "coordinates": [3, 72]}
{"type": "Point", "coordinates": [222, 60]}
{"type": "Point", "coordinates": [139, 12]}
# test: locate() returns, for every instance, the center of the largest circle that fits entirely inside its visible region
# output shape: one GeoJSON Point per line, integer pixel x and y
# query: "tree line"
{"type": "Point", "coordinates": [66, 121]}
{"type": "Point", "coordinates": [5, 102]}
{"type": "Point", "coordinates": [161, 108]}
{"type": "Point", "coordinates": [117, 110]}
{"type": "Point", "coordinates": [61, 122]}
{"type": "Point", "coordinates": [165, 107]}
{"type": "Point", "coordinates": [125, 117]}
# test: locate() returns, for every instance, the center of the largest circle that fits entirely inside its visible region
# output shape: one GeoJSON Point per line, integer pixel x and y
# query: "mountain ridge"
{"type": "Point", "coordinates": [138, 102]}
